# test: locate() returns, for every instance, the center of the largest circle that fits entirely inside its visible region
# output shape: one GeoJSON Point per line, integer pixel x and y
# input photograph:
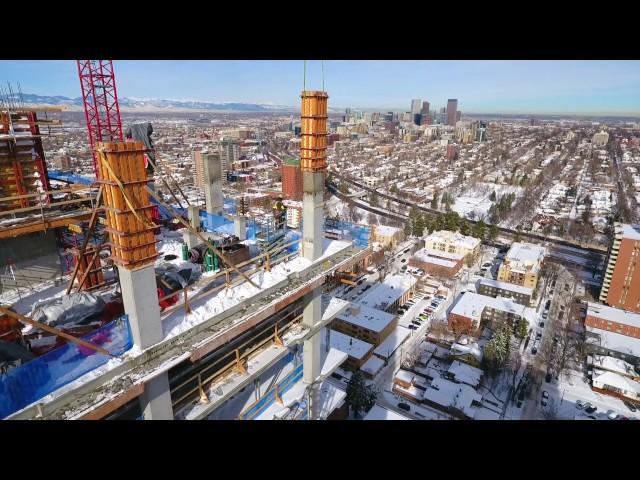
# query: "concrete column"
{"type": "Point", "coordinates": [240, 227]}
{"type": "Point", "coordinates": [156, 399]}
{"type": "Point", "coordinates": [190, 239]}
{"type": "Point", "coordinates": [213, 183]}
{"type": "Point", "coordinates": [140, 299]}
{"type": "Point", "coordinates": [311, 315]}
{"type": "Point", "coordinates": [312, 214]}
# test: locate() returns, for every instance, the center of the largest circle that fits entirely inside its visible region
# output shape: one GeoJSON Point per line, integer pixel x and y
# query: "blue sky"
{"type": "Point", "coordinates": [481, 86]}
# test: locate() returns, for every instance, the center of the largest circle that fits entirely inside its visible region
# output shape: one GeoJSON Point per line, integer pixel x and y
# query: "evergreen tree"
{"type": "Point", "coordinates": [479, 230]}
{"type": "Point", "coordinates": [407, 228]}
{"type": "Point", "coordinates": [373, 200]}
{"type": "Point", "coordinates": [521, 328]}
{"type": "Point", "coordinates": [360, 397]}
{"type": "Point", "coordinates": [464, 227]}
{"type": "Point", "coordinates": [492, 197]}
{"type": "Point", "coordinates": [434, 201]}
{"type": "Point", "coordinates": [418, 226]}
{"type": "Point", "coordinates": [493, 232]}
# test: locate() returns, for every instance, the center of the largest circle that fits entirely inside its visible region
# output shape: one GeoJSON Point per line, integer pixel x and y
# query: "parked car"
{"type": "Point", "coordinates": [534, 350]}
{"type": "Point", "coordinates": [591, 417]}
{"type": "Point", "coordinates": [486, 265]}
{"type": "Point", "coordinates": [416, 323]}
{"type": "Point", "coordinates": [519, 404]}
{"type": "Point", "coordinates": [590, 408]}
{"type": "Point", "coordinates": [541, 324]}
{"type": "Point", "coordinates": [404, 268]}
{"type": "Point", "coordinates": [580, 404]}
{"type": "Point", "coordinates": [630, 405]}
{"type": "Point", "coordinates": [404, 260]}
{"type": "Point", "coordinates": [413, 327]}
{"type": "Point", "coordinates": [545, 394]}
{"type": "Point", "coordinates": [547, 377]}
{"type": "Point", "coordinates": [404, 406]}
{"type": "Point", "coordinates": [611, 415]}
{"type": "Point", "coordinates": [538, 335]}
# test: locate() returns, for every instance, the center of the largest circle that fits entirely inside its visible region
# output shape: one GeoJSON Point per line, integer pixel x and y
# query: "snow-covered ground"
{"type": "Point", "coordinates": [475, 200]}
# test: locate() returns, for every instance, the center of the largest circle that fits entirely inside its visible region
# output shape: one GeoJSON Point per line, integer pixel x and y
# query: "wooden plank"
{"type": "Point", "coordinates": [53, 330]}
{"type": "Point", "coordinates": [113, 404]}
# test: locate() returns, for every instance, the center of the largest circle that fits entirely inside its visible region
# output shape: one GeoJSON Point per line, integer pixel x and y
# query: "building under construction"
{"type": "Point", "coordinates": [156, 324]}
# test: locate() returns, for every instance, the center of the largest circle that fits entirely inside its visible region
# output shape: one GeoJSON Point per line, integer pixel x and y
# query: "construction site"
{"type": "Point", "coordinates": [121, 299]}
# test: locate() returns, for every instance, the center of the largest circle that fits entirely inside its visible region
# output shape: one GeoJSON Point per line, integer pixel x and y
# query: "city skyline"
{"type": "Point", "coordinates": [501, 87]}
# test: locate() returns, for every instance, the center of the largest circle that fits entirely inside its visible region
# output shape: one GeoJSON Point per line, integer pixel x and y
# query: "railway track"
{"type": "Point", "coordinates": [503, 230]}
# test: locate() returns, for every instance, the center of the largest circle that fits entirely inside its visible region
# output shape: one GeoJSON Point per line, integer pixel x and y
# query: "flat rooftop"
{"type": "Point", "coordinates": [506, 286]}
{"type": "Point", "coordinates": [380, 413]}
{"type": "Point", "coordinates": [611, 314]}
{"type": "Point", "coordinates": [472, 304]}
{"type": "Point", "coordinates": [366, 317]}
{"type": "Point", "coordinates": [387, 292]}
{"type": "Point", "coordinates": [392, 342]}
{"type": "Point", "coordinates": [353, 347]}
{"type": "Point", "coordinates": [631, 232]}
{"type": "Point", "coordinates": [446, 236]}
{"type": "Point", "coordinates": [525, 253]}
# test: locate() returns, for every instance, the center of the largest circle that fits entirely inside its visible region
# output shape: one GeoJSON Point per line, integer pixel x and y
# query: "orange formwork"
{"type": "Point", "coordinates": [95, 278]}
{"type": "Point", "coordinates": [313, 132]}
{"type": "Point", "coordinates": [127, 205]}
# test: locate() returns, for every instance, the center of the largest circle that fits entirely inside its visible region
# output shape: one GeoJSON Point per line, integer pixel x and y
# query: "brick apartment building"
{"type": "Point", "coordinates": [621, 284]}
{"type": "Point", "coordinates": [292, 179]}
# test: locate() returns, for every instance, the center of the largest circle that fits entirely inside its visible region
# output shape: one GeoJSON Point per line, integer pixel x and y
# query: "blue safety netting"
{"type": "Point", "coordinates": [359, 234]}
{"type": "Point", "coordinates": [229, 206]}
{"type": "Point", "coordinates": [215, 223]}
{"type": "Point", "coordinates": [270, 397]}
{"type": "Point", "coordinates": [70, 177]}
{"type": "Point", "coordinates": [28, 383]}
{"type": "Point", "coordinates": [292, 236]}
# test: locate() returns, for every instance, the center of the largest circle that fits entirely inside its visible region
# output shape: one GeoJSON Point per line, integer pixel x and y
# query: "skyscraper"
{"type": "Point", "coordinates": [452, 111]}
{"type": "Point", "coordinates": [425, 109]}
{"type": "Point", "coordinates": [415, 107]}
{"type": "Point", "coordinates": [621, 284]}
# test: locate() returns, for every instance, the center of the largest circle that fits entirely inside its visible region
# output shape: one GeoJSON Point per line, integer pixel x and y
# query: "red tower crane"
{"type": "Point", "coordinates": [98, 84]}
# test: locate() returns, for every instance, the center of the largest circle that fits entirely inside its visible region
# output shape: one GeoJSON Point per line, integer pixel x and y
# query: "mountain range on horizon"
{"type": "Point", "coordinates": [166, 105]}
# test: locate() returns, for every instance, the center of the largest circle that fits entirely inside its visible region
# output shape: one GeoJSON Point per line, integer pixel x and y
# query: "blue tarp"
{"type": "Point", "coordinates": [30, 382]}
{"type": "Point", "coordinates": [359, 234]}
{"type": "Point", "coordinates": [70, 177]}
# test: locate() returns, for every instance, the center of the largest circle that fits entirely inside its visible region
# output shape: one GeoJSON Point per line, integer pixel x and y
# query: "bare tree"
{"type": "Point", "coordinates": [550, 411]}
{"type": "Point", "coordinates": [515, 363]}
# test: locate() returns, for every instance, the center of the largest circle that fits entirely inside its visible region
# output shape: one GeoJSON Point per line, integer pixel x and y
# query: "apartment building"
{"type": "Point", "coordinates": [473, 309]}
{"type": "Point", "coordinates": [453, 242]}
{"type": "Point", "coordinates": [613, 332]}
{"type": "Point", "coordinates": [621, 283]}
{"type": "Point", "coordinates": [522, 265]}
{"type": "Point", "coordinates": [495, 288]}
{"type": "Point", "coordinates": [364, 323]}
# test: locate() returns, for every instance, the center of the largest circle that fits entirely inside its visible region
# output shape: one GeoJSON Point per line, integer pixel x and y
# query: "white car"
{"type": "Point", "coordinates": [611, 415]}
{"type": "Point", "coordinates": [580, 404]}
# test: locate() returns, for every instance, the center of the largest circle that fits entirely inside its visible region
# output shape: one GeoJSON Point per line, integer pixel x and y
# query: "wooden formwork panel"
{"type": "Point", "coordinates": [313, 133]}
{"type": "Point", "coordinates": [22, 169]}
{"type": "Point", "coordinates": [133, 242]}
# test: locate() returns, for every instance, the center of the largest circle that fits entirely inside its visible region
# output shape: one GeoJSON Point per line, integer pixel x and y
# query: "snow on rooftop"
{"type": "Point", "coordinates": [614, 365]}
{"type": "Point", "coordinates": [631, 232]}
{"type": "Point", "coordinates": [354, 347]}
{"type": "Point", "coordinates": [373, 365]}
{"type": "Point", "coordinates": [617, 381]}
{"type": "Point", "coordinates": [471, 305]}
{"type": "Point", "coordinates": [506, 286]}
{"type": "Point", "coordinates": [426, 254]}
{"type": "Point", "coordinates": [392, 342]}
{"type": "Point", "coordinates": [465, 373]}
{"type": "Point", "coordinates": [457, 395]}
{"type": "Point", "coordinates": [380, 413]}
{"type": "Point", "coordinates": [525, 253]}
{"type": "Point", "coordinates": [446, 236]}
{"type": "Point", "coordinates": [369, 318]}
{"type": "Point", "coordinates": [386, 293]}
{"type": "Point", "coordinates": [613, 314]}
{"type": "Point", "coordinates": [386, 230]}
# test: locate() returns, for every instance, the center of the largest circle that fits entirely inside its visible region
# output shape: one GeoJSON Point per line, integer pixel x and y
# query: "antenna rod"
{"type": "Point", "coordinates": [304, 78]}
{"type": "Point", "coordinates": [322, 63]}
